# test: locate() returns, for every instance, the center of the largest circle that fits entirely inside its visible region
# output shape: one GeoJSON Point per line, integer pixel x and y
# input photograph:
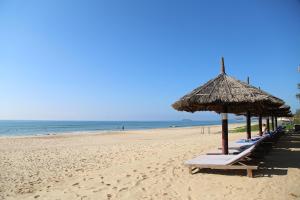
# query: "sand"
{"type": "Point", "coordinates": [145, 164]}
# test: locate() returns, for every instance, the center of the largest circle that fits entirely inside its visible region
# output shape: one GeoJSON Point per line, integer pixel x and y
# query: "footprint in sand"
{"type": "Point", "coordinates": [75, 184]}
{"type": "Point", "coordinates": [144, 176]}
{"type": "Point", "coordinates": [123, 189]}
{"type": "Point", "coordinates": [128, 175]}
{"type": "Point", "coordinates": [99, 190]}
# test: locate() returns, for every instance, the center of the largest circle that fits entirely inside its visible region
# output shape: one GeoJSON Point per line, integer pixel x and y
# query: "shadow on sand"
{"type": "Point", "coordinates": [285, 154]}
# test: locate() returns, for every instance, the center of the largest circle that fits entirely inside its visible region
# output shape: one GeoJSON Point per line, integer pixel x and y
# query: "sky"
{"type": "Point", "coordinates": [130, 60]}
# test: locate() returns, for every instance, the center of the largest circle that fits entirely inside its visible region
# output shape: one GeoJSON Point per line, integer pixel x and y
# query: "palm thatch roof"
{"type": "Point", "coordinates": [226, 93]}
{"type": "Point", "coordinates": [279, 101]}
{"type": "Point", "coordinates": [288, 114]}
{"type": "Point", "coordinates": [281, 111]}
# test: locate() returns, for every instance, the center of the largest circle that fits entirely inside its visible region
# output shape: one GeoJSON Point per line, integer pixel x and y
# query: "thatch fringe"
{"type": "Point", "coordinates": [227, 91]}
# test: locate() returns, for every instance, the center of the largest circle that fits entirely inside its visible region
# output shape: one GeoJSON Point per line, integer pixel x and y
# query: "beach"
{"type": "Point", "coordinates": [138, 164]}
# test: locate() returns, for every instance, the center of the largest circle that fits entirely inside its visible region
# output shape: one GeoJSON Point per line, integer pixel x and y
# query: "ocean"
{"type": "Point", "coordinates": [34, 127]}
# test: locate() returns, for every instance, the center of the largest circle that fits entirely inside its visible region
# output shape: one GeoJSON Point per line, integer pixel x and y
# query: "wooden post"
{"type": "Point", "coordinates": [249, 173]}
{"type": "Point", "coordinates": [222, 66]}
{"type": "Point", "coordinates": [225, 131]}
{"type": "Point", "coordinates": [273, 125]}
{"type": "Point", "coordinates": [268, 124]}
{"type": "Point", "coordinates": [248, 125]}
{"type": "Point", "coordinates": [190, 170]}
{"type": "Point", "coordinates": [260, 125]}
{"type": "Point", "coordinates": [248, 118]}
{"type": "Point", "coordinates": [276, 125]}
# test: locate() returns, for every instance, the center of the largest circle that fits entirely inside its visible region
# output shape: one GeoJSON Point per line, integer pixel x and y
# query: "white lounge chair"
{"type": "Point", "coordinates": [219, 151]}
{"type": "Point", "coordinates": [240, 146]}
{"type": "Point", "coordinates": [237, 161]}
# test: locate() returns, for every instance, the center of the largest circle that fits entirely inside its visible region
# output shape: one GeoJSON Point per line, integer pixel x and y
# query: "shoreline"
{"type": "Point", "coordinates": [107, 132]}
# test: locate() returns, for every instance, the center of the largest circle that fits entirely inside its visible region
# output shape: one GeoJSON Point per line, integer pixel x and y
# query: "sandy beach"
{"type": "Point", "coordinates": [145, 164]}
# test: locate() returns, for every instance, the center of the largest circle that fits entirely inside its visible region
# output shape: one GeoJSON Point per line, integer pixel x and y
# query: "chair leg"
{"type": "Point", "coordinates": [190, 170]}
{"type": "Point", "coordinates": [249, 173]}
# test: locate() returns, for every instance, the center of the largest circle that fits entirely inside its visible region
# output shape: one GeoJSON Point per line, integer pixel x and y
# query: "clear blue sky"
{"type": "Point", "coordinates": [130, 60]}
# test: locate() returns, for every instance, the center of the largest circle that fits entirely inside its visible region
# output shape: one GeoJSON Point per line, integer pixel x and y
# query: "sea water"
{"type": "Point", "coordinates": [34, 127]}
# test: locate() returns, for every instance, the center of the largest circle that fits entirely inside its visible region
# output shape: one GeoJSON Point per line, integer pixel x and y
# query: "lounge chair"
{"type": "Point", "coordinates": [240, 145]}
{"type": "Point", "coordinates": [243, 144]}
{"type": "Point", "coordinates": [238, 161]}
{"type": "Point", "coordinates": [219, 151]}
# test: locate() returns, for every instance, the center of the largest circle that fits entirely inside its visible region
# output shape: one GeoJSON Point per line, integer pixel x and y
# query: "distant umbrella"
{"type": "Point", "coordinates": [262, 111]}
{"type": "Point", "coordinates": [225, 94]}
{"type": "Point", "coordinates": [271, 111]}
{"type": "Point", "coordinates": [274, 112]}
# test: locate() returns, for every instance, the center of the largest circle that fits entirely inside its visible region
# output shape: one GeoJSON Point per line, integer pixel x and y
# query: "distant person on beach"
{"type": "Point", "coordinates": [123, 128]}
{"type": "Point", "coordinates": [265, 129]}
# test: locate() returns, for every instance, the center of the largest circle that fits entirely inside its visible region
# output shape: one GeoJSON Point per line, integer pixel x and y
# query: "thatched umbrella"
{"type": "Point", "coordinates": [224, 94]}
{"type": "Point", "coordinates": [274, 112]}
{"type": "Point", "coordinates": [261, 111]}
{"type": "Point", "coordinates": [266, 111]}
{"type": "Point", "coordinates": [282, 110]}
{"type": "Point", "coordinates": [270, 111]}
{"type": "Point", "coordinates": [274, 116]}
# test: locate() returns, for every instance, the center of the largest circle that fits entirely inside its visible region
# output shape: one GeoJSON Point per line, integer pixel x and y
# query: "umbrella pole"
{"type": "Point", "coordinates": [260, 125]}
{"type": "Point", "coordinates": [276, 122]}
{"type": "Point", "coordinates": [273, 123]}
{"type": "Point", "coordinates": [248, 125]}
{"type": "Point", "coordinates": [225, 131]}
{"type": "Point", "coordinates": [268, 124]}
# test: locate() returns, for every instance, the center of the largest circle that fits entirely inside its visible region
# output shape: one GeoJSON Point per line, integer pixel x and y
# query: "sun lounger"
{"type": "Point", "coordinates": [240, 145]}
{"type": "Point", "coordinates": [219, 151]}
{"type": "Point", "coordinates": [238, 161]}
{"type": "Point", "coordinates": [243, 144]}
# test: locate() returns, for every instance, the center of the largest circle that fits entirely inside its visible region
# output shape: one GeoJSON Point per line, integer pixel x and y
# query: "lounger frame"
{"type": "Point", "coordinates": [240, 165]}
{"type": "Point", "coordinates": [241, 161]}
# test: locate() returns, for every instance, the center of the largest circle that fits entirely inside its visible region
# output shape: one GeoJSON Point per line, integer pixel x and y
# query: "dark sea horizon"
{"type": "Point", "coordinates": [49, 127]}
